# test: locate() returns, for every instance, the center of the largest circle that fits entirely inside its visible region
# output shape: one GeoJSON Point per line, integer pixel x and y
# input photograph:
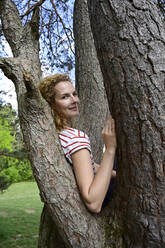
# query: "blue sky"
{"type": "Point", "coordinates": [7, 85]}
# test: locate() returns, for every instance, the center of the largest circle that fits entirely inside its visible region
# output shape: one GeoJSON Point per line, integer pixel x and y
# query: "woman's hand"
{"type": "Point", "coordinates": [109, 135]}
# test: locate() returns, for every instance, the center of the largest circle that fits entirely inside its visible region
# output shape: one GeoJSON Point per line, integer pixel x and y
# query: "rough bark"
{"type": "Point", "coordinates": [58, 190]}
{"type": "Point", "coordinates": [89, 80]}
{"type": "Point", "coordinates": [48, 233]}
{"type": "Point", "coordinates": [130, 42]}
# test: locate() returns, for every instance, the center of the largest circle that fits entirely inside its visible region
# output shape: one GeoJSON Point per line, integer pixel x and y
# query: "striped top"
{"type": "Point", "coordinates": [73, 140]}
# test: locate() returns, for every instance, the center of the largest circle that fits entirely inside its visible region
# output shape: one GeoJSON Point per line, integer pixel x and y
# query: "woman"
{"type": "Point", "coordinates": [93, 180]}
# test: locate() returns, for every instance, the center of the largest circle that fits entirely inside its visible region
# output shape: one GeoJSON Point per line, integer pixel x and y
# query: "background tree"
{"type": "Point", "coordinates": [130, 42]}
{"type": "Point", "coordinates": [14, 165]}
{"type": "Point", "coordinates": [89, 81]}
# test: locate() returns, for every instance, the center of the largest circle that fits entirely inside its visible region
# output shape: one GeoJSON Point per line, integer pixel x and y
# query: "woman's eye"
{"type": "Point", "coordinates": [64, 97]}
{"type": "Point", "coordinates": [75, 94]}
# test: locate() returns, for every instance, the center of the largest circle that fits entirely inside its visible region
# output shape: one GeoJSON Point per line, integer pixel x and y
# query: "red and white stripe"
{"type": "Point", "coordinates": [73, 140]}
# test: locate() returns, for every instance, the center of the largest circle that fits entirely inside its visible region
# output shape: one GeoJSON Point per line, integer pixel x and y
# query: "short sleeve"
{"type": "Point", "coordinates": [75, 144]}
{"type": "Point", "coordinates": [73, 140]}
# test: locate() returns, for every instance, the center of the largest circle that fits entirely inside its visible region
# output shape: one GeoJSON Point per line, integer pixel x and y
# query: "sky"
{"type": "Point", "coordinates": [7, 85]}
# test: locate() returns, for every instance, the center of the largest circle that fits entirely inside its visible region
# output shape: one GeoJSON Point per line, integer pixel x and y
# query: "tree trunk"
{"type": "Point", "coordinates": [89, 81]}
{"type": "Point", "coordinates": [76, 226]}
{"type": "Point", "coordinates": [48, 233]}
{"type": "Point", "coordinates": [130, 42]}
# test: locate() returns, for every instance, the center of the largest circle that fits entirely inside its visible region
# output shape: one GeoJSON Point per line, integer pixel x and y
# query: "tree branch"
{"type": "Point", "coordinates": [34, 24]}
{"type": "Point", "coordinates": [6, 61]}
{"type": "Point", "coordinates": [6, 64]}
{"type": "Point", "coordinates": [30, 85]}
{"type": "Point", "coordinates": [64, 27]}
{"type": "Point", "coordinates": [13, 155]}
{"type": "Point", "coordinates": [33, 7]}
{"type": "Point", "coordinates": [11, 22]}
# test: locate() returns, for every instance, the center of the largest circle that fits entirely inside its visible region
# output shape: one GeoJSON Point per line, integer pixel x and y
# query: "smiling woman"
{"type": "Point", "coordinates": [94, 181]}
{"type": "Point", "coordinates": [66, 100]}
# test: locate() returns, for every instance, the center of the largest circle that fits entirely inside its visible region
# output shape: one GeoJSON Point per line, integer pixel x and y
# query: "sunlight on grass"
{"type": "Point", "coordinates": [20, 210]}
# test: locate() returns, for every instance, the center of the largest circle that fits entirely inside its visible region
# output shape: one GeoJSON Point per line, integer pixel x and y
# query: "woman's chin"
{"type": "Point", "coordinates": [75, 114]}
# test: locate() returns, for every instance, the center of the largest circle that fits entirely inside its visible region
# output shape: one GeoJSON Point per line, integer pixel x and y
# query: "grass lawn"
{"type": "Point", "coordinates": [20, 210]}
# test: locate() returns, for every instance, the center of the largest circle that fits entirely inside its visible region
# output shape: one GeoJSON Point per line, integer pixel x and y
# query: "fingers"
{"type": "Point", "coordinates": [113, 125]}
{"type": "Point", "coordinates": [110, 124]}
{"type": "Point", "coordinates": [109, 134]}
{"type": "Point", "coordinates": [109, 128]}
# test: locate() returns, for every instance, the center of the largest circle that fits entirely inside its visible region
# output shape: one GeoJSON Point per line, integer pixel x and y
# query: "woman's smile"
{"type": "Point", "coordinates": [74, 108]}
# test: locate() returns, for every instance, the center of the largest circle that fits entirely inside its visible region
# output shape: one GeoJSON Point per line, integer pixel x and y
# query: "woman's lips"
{"type": "Point", "coordinates": [75, 108]}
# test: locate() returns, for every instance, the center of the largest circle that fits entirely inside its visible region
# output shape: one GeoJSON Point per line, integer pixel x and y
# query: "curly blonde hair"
{"type": "Point", "coordinates": [47, 89]}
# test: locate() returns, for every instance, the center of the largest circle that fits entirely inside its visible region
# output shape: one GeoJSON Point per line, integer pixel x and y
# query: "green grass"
{"type": "Point", "coordinates": [20, 210]}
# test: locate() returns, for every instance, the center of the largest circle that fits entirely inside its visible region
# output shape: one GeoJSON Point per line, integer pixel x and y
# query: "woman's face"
{"type": "Point", "coordinates": [66, 99]}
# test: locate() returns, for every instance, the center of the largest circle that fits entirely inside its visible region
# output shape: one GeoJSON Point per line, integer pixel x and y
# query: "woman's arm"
{"type": "Point", "coordinates": [93, 188]}
{"type": "Point", "coordinates": [97, 166]}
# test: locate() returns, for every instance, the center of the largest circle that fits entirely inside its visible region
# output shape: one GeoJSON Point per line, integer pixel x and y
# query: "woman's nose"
{"type": "Point", "coordinates": [75, 99]}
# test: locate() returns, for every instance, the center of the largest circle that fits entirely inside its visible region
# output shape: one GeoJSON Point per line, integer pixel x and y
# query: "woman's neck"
{"type": "Point", "coordinates": [69, 123]}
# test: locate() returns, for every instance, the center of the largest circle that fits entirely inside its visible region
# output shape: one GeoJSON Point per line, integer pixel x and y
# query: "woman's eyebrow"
{"type": "Point", "coordinates": [65, 93]}
{"type": "Point", "coordinates": [68, 93]}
